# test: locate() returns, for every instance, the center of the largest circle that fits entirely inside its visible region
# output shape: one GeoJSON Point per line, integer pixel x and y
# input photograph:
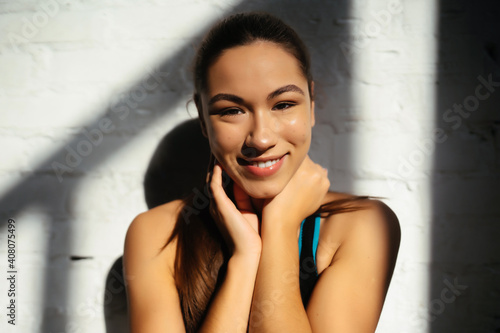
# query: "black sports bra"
{"type": "Point", "coordinates": [308, 244]}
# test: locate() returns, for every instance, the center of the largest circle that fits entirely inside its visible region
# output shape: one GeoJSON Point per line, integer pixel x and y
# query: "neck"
{"type": "Point", "coordinates": [258, 205]}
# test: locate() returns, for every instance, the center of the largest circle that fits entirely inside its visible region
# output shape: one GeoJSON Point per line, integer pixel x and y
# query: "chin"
{"type": "Point", "coordinates": [262, 191]}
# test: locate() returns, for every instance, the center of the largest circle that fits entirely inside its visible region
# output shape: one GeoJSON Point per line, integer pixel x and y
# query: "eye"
{"type": "Point", "coordinates": [283, 105]}
{"type": "Point", "coordinates": [230, 112]}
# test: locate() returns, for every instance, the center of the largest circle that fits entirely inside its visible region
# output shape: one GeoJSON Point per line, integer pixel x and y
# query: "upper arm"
{"type": "Point", "coordinates": [350, 293]}
{"type": "Point", "coordinates": [152, 295]}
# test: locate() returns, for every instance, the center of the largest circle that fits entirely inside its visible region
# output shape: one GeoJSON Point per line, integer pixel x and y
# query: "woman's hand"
{"type": "Point", "coordinates": [238, 224]}
{"type": "Point", "coordinates": [300, 198]}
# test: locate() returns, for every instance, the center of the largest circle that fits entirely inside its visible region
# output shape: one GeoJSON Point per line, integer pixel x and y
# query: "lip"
{"type": "Point", "coordinates": [264, 172]}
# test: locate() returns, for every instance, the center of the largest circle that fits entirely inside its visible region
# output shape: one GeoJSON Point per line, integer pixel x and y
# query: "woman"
{"type": "Point", "coordinates": [235, 266]}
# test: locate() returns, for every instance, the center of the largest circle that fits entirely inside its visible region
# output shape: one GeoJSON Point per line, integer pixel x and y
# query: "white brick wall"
{"type": "Point", "coordinates": [72, 66]}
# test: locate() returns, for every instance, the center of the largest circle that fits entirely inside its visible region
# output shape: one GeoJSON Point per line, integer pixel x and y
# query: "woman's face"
{"type": "Point", "coordinates": [258, 116]}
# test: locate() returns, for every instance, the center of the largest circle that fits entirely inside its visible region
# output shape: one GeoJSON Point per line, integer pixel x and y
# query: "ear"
{"type": "Point", "coordinates": [203, 125]}
{"type": "Point", "coordinates": [313, 119]}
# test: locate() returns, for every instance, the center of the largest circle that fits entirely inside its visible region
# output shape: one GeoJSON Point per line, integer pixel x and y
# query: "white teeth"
{"type": "Point", "coordinates": [265, 164]}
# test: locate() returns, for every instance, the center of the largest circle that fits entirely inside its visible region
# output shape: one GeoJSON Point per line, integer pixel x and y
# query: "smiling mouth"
{"type": "Point", "coordinates": [263, 168]}
{"type": "Point", "coordinates": [266, 164]}
{"type": "Point", "coordinates": [259, 164]}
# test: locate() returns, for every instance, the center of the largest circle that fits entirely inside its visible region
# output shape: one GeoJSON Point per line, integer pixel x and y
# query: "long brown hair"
{"type": "Point", "coordinates": [202, 255]}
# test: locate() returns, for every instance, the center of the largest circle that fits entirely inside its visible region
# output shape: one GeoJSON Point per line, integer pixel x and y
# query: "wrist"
{"type": "Point", "coordinates": [247, 262]}
{"type": "Point", "coordinates": [279, 226]}
{"type": "Point", "coordinates": [284, 218]}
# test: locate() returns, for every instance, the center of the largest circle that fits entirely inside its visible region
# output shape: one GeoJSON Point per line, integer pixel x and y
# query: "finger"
{"type": "Point", "coordinates": [214, 187]}
{"type": "Point", "coordinates": [216, 181]}
{"type": "Point", "coordinates": [308, 165]}
{"type": "Point", "coordinates": [307, 159]}
{"type": "Point", "coordinates": [322, 172]}
{"type": "Point", "coordinates": [211, 163]}
{"type": "Point", "coordinates": [318, 167]}
{"type": "Point", "coordinates": [224, 205]}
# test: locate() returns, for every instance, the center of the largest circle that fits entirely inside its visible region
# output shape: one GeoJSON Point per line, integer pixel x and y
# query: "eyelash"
{"type": "Point", "coordinates": [283, 105]}
{"type": "Point", "coordinates": [231, 112]}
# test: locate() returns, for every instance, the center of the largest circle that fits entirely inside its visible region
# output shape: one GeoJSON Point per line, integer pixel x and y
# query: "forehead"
{"type": "Point", "coordinates": [253, 69]}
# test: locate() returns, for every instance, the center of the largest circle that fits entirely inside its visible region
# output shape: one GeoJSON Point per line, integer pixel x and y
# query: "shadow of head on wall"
{"type": "Point", "coordinates": [178, 165]}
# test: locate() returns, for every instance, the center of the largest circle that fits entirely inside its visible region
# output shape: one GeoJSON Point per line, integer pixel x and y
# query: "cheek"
{"type": "Point", "coordinates": [298, 131]}
{"type": "Point", "coordinates": [223, 141]}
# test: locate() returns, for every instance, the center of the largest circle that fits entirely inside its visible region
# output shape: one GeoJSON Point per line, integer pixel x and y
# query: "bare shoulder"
{"type": "Point", "coordinates": [153, 299]}
{"type": "Point", "coordinates": [373, 213]}
{"type": "Point", "coordinates": [363, 248]}
{"type": "Point", "coordinates": [370, 213]}
{"type": "Point", "coordinates": [148, 233]}
{"type": "Point", "coordinates": [373, 227]}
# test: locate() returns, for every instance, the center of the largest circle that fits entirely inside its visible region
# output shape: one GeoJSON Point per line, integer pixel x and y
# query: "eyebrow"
{"type": "Point", "coordinates": [282, 90]}
{"type": "Point", "coordinates": [239, 100]}
{"type": "Point", "coordinates": [225, 97]}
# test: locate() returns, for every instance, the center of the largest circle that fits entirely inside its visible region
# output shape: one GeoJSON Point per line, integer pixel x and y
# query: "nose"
{"type": "Point", "coordinates": [263, 134]}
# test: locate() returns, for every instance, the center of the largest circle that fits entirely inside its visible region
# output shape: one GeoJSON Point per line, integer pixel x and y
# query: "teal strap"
{"type": "Point", "coordinates": [316, 236]}
{"type": "Point", "coordinates": [300, 236]}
